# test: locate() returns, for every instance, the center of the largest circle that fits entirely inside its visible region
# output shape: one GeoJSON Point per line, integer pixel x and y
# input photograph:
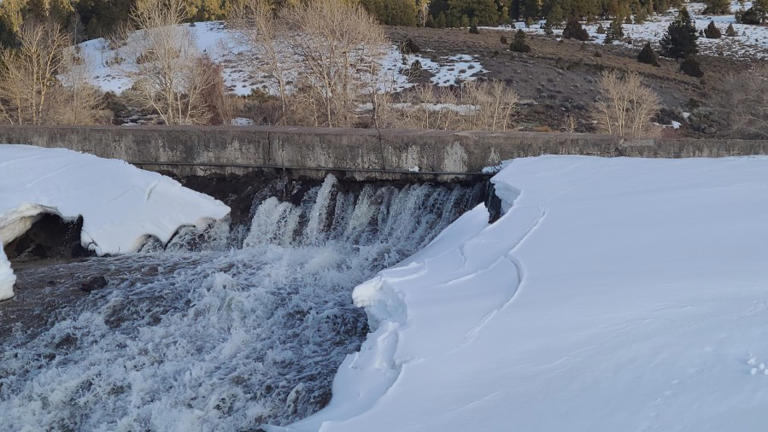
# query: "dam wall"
{"type": "Point", "coordinates": [364, 154]}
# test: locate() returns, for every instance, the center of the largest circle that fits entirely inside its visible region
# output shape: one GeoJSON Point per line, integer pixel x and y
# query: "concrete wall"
{"type": "Point", "coordinates": [362, 153]}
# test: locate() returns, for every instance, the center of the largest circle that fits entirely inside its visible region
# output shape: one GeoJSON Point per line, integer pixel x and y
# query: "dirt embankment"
{"type": "Point", "coordinates": [557, 81]}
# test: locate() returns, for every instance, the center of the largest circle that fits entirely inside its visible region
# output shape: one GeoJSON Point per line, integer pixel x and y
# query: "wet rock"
{"type": "Point", "coordinates": [93, 284]}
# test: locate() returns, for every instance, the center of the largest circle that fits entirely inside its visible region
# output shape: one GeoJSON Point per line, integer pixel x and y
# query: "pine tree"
{"type": "Point", "coordinates": [648, 55]}
{"type": "Point", "coordinates": [690, 66]}
{"type": "Point", "coordinates": [712, 32]}
{"type": "Point", "coordinates": [519, 44]}
{"type": "Point", "coordinates": [717, 7]}
{"type": "Point", "coordinates": [555, 16]}
{"type": "Point", "coordinates": [573, 29]}
{"type": "Point", "coordinates": [615, 31]}
{"type": "Point", "coordinates": [680, 38]}
{"type": "Point", "coordinates": [730, 32]}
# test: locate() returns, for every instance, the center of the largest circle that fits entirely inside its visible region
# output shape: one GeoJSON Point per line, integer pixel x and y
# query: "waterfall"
{"type": "Point", "coordinates": [224, 329]}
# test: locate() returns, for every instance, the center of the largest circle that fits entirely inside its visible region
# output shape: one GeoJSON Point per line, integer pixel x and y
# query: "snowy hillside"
{"type": "Point", "coordinates": [613, 295]}
{"type": "Point", "coordinates": [110, 66]}
{"type": "Point", "coordinates": [751, 41]}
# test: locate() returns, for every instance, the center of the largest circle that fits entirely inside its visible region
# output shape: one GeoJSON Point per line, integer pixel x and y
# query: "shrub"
{"type": "Point", "coordinates": [503, 40]}
{"type": "Point", "coordinates": [573, 29]}
{"type": "Point", "coordinates": [473, 29]}
{"type": "Point", "coordinates": [745, 103]}
{"type": "Point", "coordinates": [408, 46]}
{"type": "Point", "coordinates": [600, 29]}
{"type": "Point", "coordinates": [626, 106]}
{"type": "Point", "coordinates": [615, 31]}
{"type": "Point", "coordinates": [519, 44]}
{"type": "Point", "coordinates": [680, 39]}
{"type": "Point", "coordinates": [754, 16]}
{"type": "Point", "coordinates": [648, 55]}
{"type": "Point", "coordinates": [712, 32]}
{"type": "Point", "coordinates": [730, 31]}
{"type": "Point", "coordinates": [690, 66]}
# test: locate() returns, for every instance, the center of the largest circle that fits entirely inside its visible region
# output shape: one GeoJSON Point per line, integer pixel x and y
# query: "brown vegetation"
{"type": "Point", "coordinates": [745, 103]}
{"type": "Point", "coordinates": [173, 79]}
{"type": "Point", "coordinates": [626, 106]}
{"type": "Point", "coordinates": [44, 82]}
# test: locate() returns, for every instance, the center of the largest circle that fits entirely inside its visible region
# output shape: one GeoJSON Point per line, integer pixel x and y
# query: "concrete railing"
{"type": "Point", "coordinates": [362, 153]}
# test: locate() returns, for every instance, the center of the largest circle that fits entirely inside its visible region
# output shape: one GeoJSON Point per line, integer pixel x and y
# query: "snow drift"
{"type": "Point", "coordinates": [120, 204]}
{"type": "Point", "coordinates": [7, 278]}
{"type": "Point", "coordinates": [613, 294]}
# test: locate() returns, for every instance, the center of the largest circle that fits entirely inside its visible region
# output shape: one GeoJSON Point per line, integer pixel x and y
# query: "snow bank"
{"type": "Point", "coordinates": [7, 278]}
{"type": "Point", "coordinates": [614, 294]}
{"type": "Point", "coordinates": [120, 203]}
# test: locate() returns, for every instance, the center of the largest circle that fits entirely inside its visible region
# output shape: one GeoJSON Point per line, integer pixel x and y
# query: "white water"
{"type": "Point", "coordinates": [222, 339]}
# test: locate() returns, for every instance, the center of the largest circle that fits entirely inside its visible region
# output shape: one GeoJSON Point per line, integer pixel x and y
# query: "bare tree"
{"type": "Point", "coordinates": [258, 23]}
{"type": "Point", "coordinates": [77, 102]}
{"type": "Point", "coordinates": [745, 103]}
{"type": "Point", "coordinates": [340, 44]}
{"type": "Point", "coordinates": [626, 106]}
{"type": "Point", "coordinates": [168, 77]}
{"type": "Point", "coordinates": [29, 73]}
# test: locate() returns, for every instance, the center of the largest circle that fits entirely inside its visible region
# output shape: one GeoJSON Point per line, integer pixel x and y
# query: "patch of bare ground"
{"type": "Point", "coordinates": [558, 81]}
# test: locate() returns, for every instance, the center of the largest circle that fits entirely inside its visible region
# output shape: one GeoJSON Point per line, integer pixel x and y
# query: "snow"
{"type": "Point", "coordinates": [613, 294]}
{"type": "Point", "coordinates": [120, 204]}
{"type": "Point", "coordinates": [7, 278]}
{"type": "Point", "coordinates": [750, 42]}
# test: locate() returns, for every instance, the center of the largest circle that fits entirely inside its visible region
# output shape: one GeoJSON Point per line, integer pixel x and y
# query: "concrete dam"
{"type": "Point", "coordinates": [356, 154]}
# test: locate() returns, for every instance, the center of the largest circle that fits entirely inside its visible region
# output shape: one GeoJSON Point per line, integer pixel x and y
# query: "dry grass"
{"type": "Point", "coordinates": [626, 106]}
{"type": "Point", "coordinates": [473, 106]}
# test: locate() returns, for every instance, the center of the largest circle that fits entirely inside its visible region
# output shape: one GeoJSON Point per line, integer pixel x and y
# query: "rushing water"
{"type": "Point", "coordinates": [215, 331]}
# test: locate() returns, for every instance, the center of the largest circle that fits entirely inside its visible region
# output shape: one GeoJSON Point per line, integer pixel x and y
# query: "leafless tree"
{"type": "Point", "coordinates": [626, 106]}
{"type": "Point", "coordinates": [258, 23]}
{"type": "Point", "coordinates": [169, 77]}
{"type": "Point", "coordinates": [29, 74]}
{"type": "Point", "coordinates": [745, 103]}
{"type": "Point", "coordinates": [45, 81]}
{"type": "Point", "coordinates": [340, 44]}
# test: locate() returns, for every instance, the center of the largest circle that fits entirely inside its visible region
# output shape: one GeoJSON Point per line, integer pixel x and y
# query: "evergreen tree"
{"type": "Point", "coordinates": [530, 9]}
{"type": "Point", "coordinates": [393, 12]}
{"type": "Point", "coordinates": [730, 32]}
{"type": "Point", "coordinates": [615, 31]}
{"type": "Point", "coordinates": [555, 16]}
{"type": "Point", "coordinates": [717, 7]}
{"type": "Point", "coordinates": [648, 55]}
{"type": "Point", "coordinates": [690, 66]}
{"type": "Point", "coordinates": [573, 29]}
{"type": "Point", "coordinates": [519, 44]}
{"type": "Point", "coordinates": [680, 38]}
{"type": "Point", "coordinates": [712, 32]}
